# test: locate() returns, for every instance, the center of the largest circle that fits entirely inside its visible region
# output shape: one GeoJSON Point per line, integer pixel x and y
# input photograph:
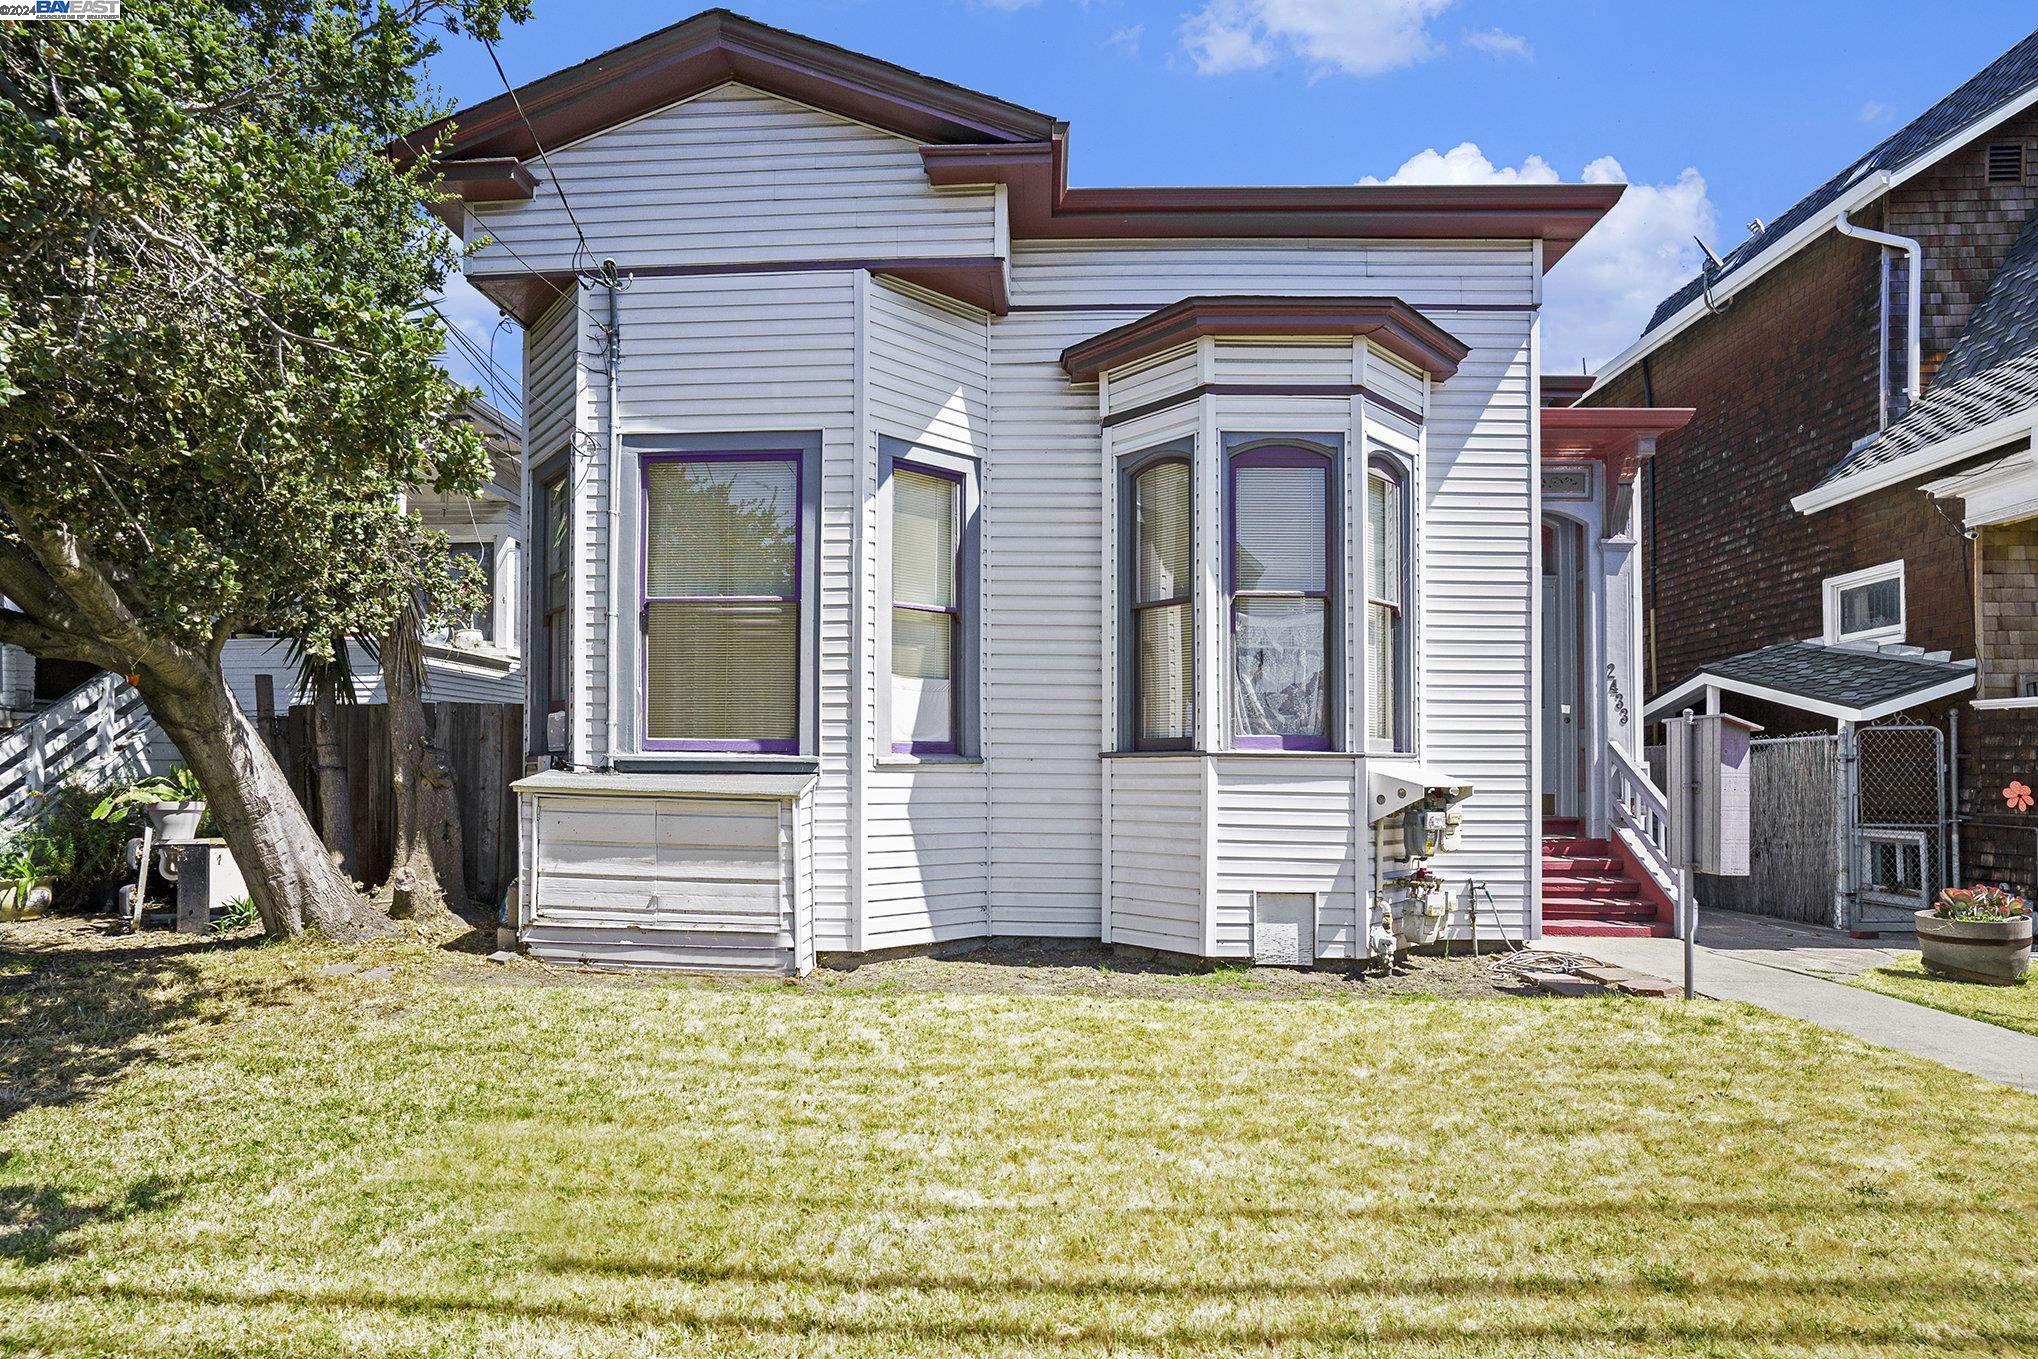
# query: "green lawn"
{"type": "Point", "coordinates": [226, 1152]}
{"type": "Point", "coordinates": [2013, 1007]}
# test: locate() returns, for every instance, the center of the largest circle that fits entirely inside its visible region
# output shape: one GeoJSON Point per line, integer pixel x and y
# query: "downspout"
{"type": "Point", "coordinates": [1915, 278]}
{"type": "Point", "coordinates": [615, 375]}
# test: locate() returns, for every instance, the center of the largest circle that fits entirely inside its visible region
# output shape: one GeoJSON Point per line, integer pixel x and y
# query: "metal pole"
{"type": "Point", "coordinates": [1688, 904]}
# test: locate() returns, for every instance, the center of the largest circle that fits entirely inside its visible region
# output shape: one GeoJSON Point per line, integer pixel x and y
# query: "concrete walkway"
{"type": "Point", "coordinates": [1785, 967]}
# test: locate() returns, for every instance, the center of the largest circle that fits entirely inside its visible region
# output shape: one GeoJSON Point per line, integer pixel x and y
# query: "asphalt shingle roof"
{"type": "Point", "coordinates": [1850, 677]}
{"type": "Point", "coordinates": [2008, 76]}
{"type": "Point", "coordinates": [1990, 374]}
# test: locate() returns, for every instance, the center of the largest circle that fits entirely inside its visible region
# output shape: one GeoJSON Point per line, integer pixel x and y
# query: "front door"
{"type": "Point", "coordinates": [1563, 606]}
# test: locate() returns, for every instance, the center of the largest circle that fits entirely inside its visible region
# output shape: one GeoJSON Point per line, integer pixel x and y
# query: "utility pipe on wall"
{"type": "Point", "coordinates": [1915, 278]}
{"type": "Point", "coordinates": [614, 335]}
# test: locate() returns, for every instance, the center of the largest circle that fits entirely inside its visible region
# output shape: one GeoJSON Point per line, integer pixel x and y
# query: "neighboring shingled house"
{"type": "Point", "coordinates": [1860, 471]}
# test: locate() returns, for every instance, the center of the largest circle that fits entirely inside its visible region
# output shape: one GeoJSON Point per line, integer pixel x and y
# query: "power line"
{"type": "Point", "coordinates": [483, 362]}
{"type": "Point", "coordinates": [584, 249]}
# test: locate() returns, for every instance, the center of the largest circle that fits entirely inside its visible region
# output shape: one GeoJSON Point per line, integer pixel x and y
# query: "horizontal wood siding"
{"type": "Point", "coordinates": [1156, 827]}
{"type": "Point", "coordinates": [1043, 599]}
{"type": "Point", "coordinates": [551, 379]}
{"type": "Point", "coordinates": [744, 355]}
{"type": "Point", "coordinates": [925, 872]}
{"type": "Point", "coordinates": [655, 881]}
{"type": "Point", "coordinates": [1284, 825]}
{"type": "Point", "coordinates": [1155, 381]}
{"type": "Point", "coordinates": [1476, 607]}
{"type": "Point", "coordinates": [734, 175]}
{"type": "Point", "coordinates": [1283, 364]}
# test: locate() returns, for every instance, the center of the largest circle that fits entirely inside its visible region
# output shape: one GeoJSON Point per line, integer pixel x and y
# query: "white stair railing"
{"type": "Point", "coordinates": [1641, 817]}
{"type": "Point", "coordinates": [99, 730]}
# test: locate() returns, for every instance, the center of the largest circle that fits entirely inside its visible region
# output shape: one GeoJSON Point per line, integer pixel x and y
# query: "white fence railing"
{"type": "Point", "coordinates": [99, 730]}
{"type": "Point", "coordinates": [1641, 817]}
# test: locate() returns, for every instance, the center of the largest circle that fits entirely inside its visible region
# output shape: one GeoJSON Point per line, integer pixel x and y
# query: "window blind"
{"type": "Point", "coordinates": [722, 529]}
{"type": "Point", "coordinates": [1278, 520]}
{"type": "Point", "coordinates": [723, 672]}
{"type": "Point", "coordinates": [1161, 522]}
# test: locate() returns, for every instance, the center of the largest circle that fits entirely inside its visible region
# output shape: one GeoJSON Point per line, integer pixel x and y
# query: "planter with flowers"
{"type": "Point", "coordinates": [1977, 934]}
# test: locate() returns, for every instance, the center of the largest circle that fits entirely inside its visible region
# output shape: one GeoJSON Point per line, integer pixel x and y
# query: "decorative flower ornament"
{"type": "Point", "coordinates": [2017, 796]}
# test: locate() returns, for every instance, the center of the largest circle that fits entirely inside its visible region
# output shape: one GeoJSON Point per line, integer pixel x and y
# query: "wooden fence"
{"type": "Point", "coordinates": [1793, 850]}
{"type": "Point", "coordinates": [482, 741]}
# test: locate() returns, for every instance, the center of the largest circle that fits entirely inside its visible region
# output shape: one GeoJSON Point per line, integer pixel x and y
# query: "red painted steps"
{"type": "Point", "coordinates": [1589, 890]}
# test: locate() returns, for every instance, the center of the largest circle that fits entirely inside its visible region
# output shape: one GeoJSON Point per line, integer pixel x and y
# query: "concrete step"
{"type": "Point", "coordinates": [1610, 886]}
{"type": "Point", "coordinates": [1558, 908]}
{"type": "Point", "coordinates": [1578, 866]}
{"type": "Point", "coordinates": [1603, 929]}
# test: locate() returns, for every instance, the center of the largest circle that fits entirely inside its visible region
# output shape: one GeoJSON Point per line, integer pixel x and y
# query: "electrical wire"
{"type": "Point", "coordinates": [583, 249]}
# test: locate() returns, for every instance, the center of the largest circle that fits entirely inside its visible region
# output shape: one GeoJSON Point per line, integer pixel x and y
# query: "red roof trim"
{"type": "Point", "coordinates": [710, 49]}
{"type": "Point", "coordinates": [1386, 321]}
{"type": "Point", "coordinates": [1043, 207]}
{"type": "Point", "coordinates": [1608, 434]}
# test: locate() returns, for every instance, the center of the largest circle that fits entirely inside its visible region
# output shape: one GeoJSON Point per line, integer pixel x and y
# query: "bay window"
{"type": "Point", "coordinates": [1158, 652]}
{"type": "Point", "coordinates": [1387, 592]}
{"type": "Point", "coordinates": [1282, 585]}
{"type": "Point", "coordinates": [722, 600]}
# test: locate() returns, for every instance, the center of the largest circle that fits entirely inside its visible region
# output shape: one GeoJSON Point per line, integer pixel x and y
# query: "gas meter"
{"type": "Point", "coordinates": [1422, 832]}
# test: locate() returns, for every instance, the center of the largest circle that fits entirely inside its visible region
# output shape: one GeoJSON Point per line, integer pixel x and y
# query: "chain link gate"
{"type": "Point", "coordinates": [1897, 820]}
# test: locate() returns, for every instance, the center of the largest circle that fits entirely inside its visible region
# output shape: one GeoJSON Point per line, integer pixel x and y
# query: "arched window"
{"type": "Point", "coordinates": [1160, 639]}
{"type": "Point", "coordinates": [1388, 724]}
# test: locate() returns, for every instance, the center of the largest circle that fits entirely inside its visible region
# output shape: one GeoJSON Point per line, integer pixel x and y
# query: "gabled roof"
{"type": "Point", "coordinates": [966, 139]}
{"type": "Point", "coordinates": [1852, 684]}
{"type": "Point", "coordinates": [1989, 378]}
{"type": "Point", "coordinates": [2008, 82]}
{"type": "Point", "coordinates": [713, 48]}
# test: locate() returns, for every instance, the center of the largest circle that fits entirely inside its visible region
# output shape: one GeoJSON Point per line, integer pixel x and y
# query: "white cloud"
{"type": "Point", "coordinates": [1874, 111]}
{"type": "Point", "coordinates": [1127, 39]}
{"type": "Point", "coordinates": [1355, 37]}
{"type": "Point", "coordinates": [1600, 295]}
{"type": "Point", "coordinates": [477, 318]}
{"type": "Point", "coordinates": [1500, 43]}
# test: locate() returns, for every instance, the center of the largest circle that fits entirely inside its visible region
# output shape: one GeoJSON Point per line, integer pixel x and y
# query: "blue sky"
{"type": "Point", "coordinates": [1714, 112]}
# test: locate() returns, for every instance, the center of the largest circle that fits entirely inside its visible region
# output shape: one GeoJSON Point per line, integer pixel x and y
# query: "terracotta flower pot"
{"type": "Point", "coordinates": [1997, 952]}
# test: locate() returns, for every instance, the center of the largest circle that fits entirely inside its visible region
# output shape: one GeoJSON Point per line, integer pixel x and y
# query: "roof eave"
{"type": "Point", "coordinates": [1389, 322]}
{"type": "Point", "coordinates": [1787, 246]}
{"type": "Point", "coordinates": [1917, 462]}
{"type": "Point", "coordinates": [1704, 680]}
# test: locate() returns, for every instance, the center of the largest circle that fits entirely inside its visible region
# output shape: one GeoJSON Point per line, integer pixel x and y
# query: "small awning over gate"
{"type": "Point", "coordinates": [1851, 684]}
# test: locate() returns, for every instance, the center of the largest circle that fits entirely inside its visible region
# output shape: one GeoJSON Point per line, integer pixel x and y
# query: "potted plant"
{"type": "Point", "coordinates": [173, 802]}
{"type": "Point", "coordinates": [1978, 934]}
{"type": "Point", "coordinates": [25, 889]}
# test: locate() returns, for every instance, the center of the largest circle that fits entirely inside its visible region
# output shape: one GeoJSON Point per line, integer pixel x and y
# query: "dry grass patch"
{"type": "Point", "coordinates": [300, 1164]}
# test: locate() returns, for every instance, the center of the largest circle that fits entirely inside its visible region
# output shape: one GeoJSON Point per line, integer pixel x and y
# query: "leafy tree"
{"type": "Point", "coordinates": [217, 380]}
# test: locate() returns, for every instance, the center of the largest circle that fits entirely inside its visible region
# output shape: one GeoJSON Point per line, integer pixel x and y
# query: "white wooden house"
{"type": "Point", "coordinates": [924, 549]}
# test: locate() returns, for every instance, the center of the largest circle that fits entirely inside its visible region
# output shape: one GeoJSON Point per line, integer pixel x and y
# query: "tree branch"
{"type": "Point", "coordinates": [34, 637]}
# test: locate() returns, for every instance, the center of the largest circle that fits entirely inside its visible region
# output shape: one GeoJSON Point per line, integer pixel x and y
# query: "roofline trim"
{"type": "Point", "coordinates": [1705, 679]}
{"type": "Point", "coordinates": [1775, 254]}
{"type": "Point", "coordinates": [1917, 462]}
{"type": "Point", "coordinates": [1044, 207]}
{"type": "Point", "coordinates": [1388, 322]}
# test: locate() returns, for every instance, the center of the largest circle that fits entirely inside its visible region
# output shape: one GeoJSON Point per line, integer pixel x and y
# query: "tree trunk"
{"type": "Point", "coordinates": [335, 793]}
{"type": "Point", "coordinates": [426, 873]}
{"type": "Point", "coordinates": [294, 884]}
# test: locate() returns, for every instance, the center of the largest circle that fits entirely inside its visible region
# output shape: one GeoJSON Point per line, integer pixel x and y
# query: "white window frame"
{"type": "Point", "coordinates": [1834, 586]}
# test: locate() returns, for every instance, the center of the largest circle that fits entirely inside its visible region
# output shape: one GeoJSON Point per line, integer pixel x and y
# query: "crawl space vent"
{"type": "Point", "coordinates": [2006, 163]}
{"type": "Point", "coordinates": [1284, 929]}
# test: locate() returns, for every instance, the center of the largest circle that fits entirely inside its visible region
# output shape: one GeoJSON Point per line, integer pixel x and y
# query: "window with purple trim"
{"type": "Point", "coordinates": [721, 620]}
{"type": "Point", "coordinates": [1160, 636]}
{"type": "Point", "coordinates": [927, 514]}
{"type": "Point", "coordinates": [1387, 661]}
{"type": "Point", "coordinates": [1282, 627]}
